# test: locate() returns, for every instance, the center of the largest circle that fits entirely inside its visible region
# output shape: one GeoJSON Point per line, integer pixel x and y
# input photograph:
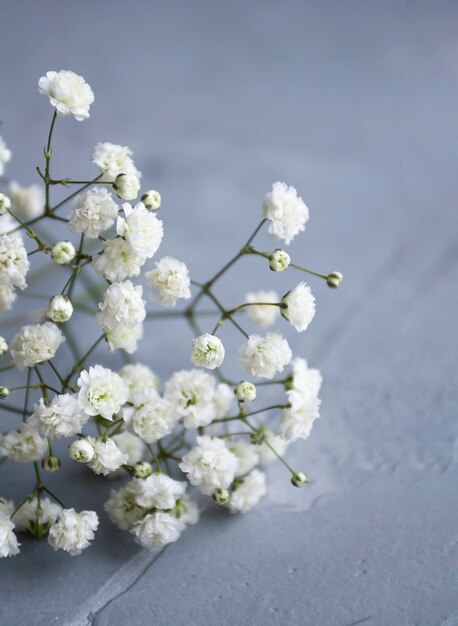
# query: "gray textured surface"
{"type": "Point", "coordinates": [355, 104]}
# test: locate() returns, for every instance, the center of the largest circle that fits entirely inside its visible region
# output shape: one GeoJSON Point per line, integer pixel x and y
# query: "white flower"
{"type": "Point", "coordinates": [304, 379]}
{"type": "Point", "coordinates": [170, 281]}
{"type": "Point", "coordinates": [122, 508]}
{"type": "Point", "coordinates": [62, 418]}
{"type": "Point", "coordinates": [118, 261]}
{"type": "Point", "coordinates": [152, 200]}
{"type": "Point", "coordinates": [9, 545]}
{"type": "Point", "coordinates": [191, 393]}
{"type": "Point", "coordinates": [29, 201]}
{"type": "Point", "coordinates": [130, 445]}
{"type": "Point", "coordinates": [279, 260]}
{"type": "Point", "coordinates": [297, 420]}
{"type": "Point", "coordinates": [63, 252]}
{"type": "Point", "coordinates": [112, 160]}
{"type": "Point", "coordinates": [35, 517]}
{"type": "Point", "coordinates": [127, 186]}
{"type": "Point", "coordinates": [209, 465]}
{"type": "Point", "coordinates": [81, 450]}
{"type": "Point", "coordinates": [286, 211]}
{"type": "Point", "coordinates": [207, 351]}
{"type": "Point", "coordinates": [5, 155]}
{"type": "Point", "coordinates": [14, 263]}
{"type": "Point", "coordinates": [73, 531]}
{"type": "Point", "coordinates": [68, 93]}
{"type": "Point", "coordinates": [265, 356]}
{"type": "Point", "coordinates": [259, 314]}
{"type": "Point", "coordinates": [7, 297]}
{"type": "Point", "coordinates": [158, 491]}
{"type": "Point", "coordinates": [23, 445]}
{"type": "Point", "coordinates": [7, 506]}
{"type": "Point", "coordinates": [102, 392]}
{"type": "Point", "coordinates": [35, 344]}
{"type": "Point", "coordinates": [157, 529]}
{"type": "Point", "coordinates": [7, 224]}
{"type": "Point", "coordinates": [126, 337]}
{"type": "Point", "coordinates": [122, 304]}
{"type": "Point", "coordinates": [246, 453]}
{"type": "Point", "coordinates": [107, 456]}
{"type": "Point", "coordinates": [60, 309]}
{"type": "Point", "coordinates": [154, 419]}
{"type": "Point", "coordinates": [3, 346]}
{"type": "Point", "coordinates": [140, 379]}
{"type": "Point", "coordinates": [245, 391]}
{"type": "Point", "coordinates": [300, 307]}
{"type": "Point", "coordinates": [141, 229]}
{"type": "Point", "coordinates": [93, 213]}
{"type": "Point", "coordinates": [222, 400]}
{"type": "Point", "coordinates": [5, 203]}
{"type": "Point", "coordinates": [248, 492]}
{"type": "Point", "coordinates": [188, 511]}
{"type": "Point", "coordinates": [266, 454]}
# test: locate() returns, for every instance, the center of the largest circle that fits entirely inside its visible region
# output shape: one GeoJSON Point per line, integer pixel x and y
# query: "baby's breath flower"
{"type": "Point", "coordinates": [5, 155]}
{"type": "Point", "coordinates": [140, 378]}
{"type": "Point", "coordinates": [141, 229]}
{"type": "Point", "coordinates": [299, 479]}
{"type": "Point", "coordinates": [170, 281]}
{"type": "Point", "coordinates": [246, 452]}
{"type": "Point", "coordinates": [93, 213]}
{"type": "Point", "coordinates": [63, 252]}
{"type": "Point", "coordinates": [154, 419]}
{"type": "Point", "coordinates": [157, 491]}
{"type": "Point", "coordinates": [207, 351]}
{"type": "Point", "coordinates": [248, 492]}
{"type": "Point", "coordinates": [81, 450]}
{"type": "Point", "coordinates": [299, 307]}
{"type": "Point", "coordinates": [265, 356]}
{"type": "Point", "coordinates": [298, 419]}
{"type": "Point", "coordinates": [3, 346]}
{"type": "Point", "coordinates": [101, 392]}
{"type": "Point", "coordinates": [23, 445]}
{"type": "Point", "coordinates": [152, 200]}
{"type": "Point", "coordinates": [191, 393]}
{"type": "Point", "coordinates": [113, 159]}
{"type": "Point", "coordinates": [28, 201]}
{"type": "Point", "coordinates": [62, 417]}
{"type": "Point", "coordinates": [142, 470]}
{"type": "Point", "coordinates": [36, 516]}
{"type": "Point", "coordinates": [157, 529]}
{"type": "Point", "coordinates": [107, 456]}
{"type": "Point", "coordinates": [73, 531]}
{"type": "Point", "coordinates": [7, 297]}
{"type": "Point", "coordinates": [68, 93]}
{"type": "Point", "coordinates": [263, 315]}
{"type": "Point", "coordinates": [5, 204]}
{"type": "Point", "coordinates": [245, 391]}
{"type": "Point", "coordinates": [279, 260]}
{"type": "Point", "coordinates": [14, 263]}
{"type": "Point", "coordinates": [9, 545]}
{"type": "Point", "coordinates": [60, 309]}
{"type": "Point", "coordinates": [130, 445]}
{"type": "Point", "coordinates": [126, 186]}
{"type": "Point", "coordinates": [118, 261]}
{"type": "Point", "coordinates": [286, 211]}
{"type": "Point", "coordinates": [35, 344]}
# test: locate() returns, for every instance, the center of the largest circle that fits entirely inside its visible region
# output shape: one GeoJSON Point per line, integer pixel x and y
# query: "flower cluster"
{"type": "Point", "coordinates": [196, 431]}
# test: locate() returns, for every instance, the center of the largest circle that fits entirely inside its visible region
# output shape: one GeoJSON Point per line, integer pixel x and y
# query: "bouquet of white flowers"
{"type": "Point", "coordinates": [200, 427]}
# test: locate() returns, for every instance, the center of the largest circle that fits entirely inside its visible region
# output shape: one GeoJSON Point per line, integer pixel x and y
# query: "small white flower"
{"type": "Point", "coordinates": [3, 346]}
{"type": "Point", "coordinates": [5, 202]}
{"type": "Point", "coordinates": [7, 297]}
{"type": "Point", "coordinates": [63, 252]}
{"type": "Point", "coordinates": [93, 213]}
{"type": "Point", "coordinates": [9, 545]}
{"type": "Point", "coordinates": [209, 465]}
{"type": "Point", "coordinates": [130, 445]}
{"type": "Point", "coordinates": [7, 507]}
{"type": "Point", "coordinates": [158, 491]}
{"type": "Point", "coordinates": [299, 306]}
{"type": "Point", "coordinates": [126, 337]}
{"type": "Point", "coordinates": [118, 261]}
{"type": "Point", "coordinates": [35, 517]}
{"type": "Point", "coordinates": [35, 344]}
{"type": "Point", "coordinates": [245, 391]}
{"type": "Point", "coordinates": [248, 492]}
{"type": "Point", "coordinates": [152, 200]}
{"type": "Point", "coordinates": [265, 356]}
{"type": "Point", "coordinates": [102, 392]}
{"type": "Point", "coordinates": [279, 260]}
{"type": "Point", "coordinates": [260, 314]}
{"type": "Point", "coordinates": [68, 93]}
{"type": "Point", "coordinates": [141, 229]}
{"type": "Point", "coordinates": [60, 309]}
{"type": "Point", "coordinates": [112, 160]}
{"type": "Point", "coordinates": [140, 379]}
{"type": "Point", "coordinates": [191, 393]}
{"type": "Point", "coordinates": [63, 417]}
{"type": "Point", "coordinates": [304, 379]}
{"type": "Point", "coordinates": [155, 419]}
{"type": "Point", "coordinates": [265, 453]}
{"type": "Point", "coordinates": [297, 421]}
{"type": "Point", "coordinates": [5, 155]}
{"type": "Point", "coordinates": [122, 304]}
{"type": "Point", "coordinates": [286, 211]}
{"type": "Point", "coordinates": [14, 263]}
{"type": "Point", "coordinates": [170, 281]}
{"type": "Point", "coordinates": [122, 509]}
{"type": "Point", "coordinates": [157, 529]}
{"type": "Point", "coordinates": [222, 400]}
{"type": "Point", "coordinates": [207, 351]}
{"type": "Point", "coordinates": [73, 531]}
{"type": "Point", "coordinates": [246, 453]}
{"type": "Point", "coordinates": [126, 186]}
{"type": "Point", "coordinates": [29, 201]}
{"type": "Point", "coordinates": [23, 445]}
{"type": "Point", "coordinates": [107, 456]}
{"type": "Point", "coordinates": [81, 450]}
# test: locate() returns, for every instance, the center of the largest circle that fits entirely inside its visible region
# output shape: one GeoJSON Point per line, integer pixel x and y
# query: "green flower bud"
{"type": "Point", "coordinates": [334, 279]}
{"type": "Point", "coordinates": [50, 463]}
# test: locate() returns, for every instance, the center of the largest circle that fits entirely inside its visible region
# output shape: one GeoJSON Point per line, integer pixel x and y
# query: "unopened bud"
{"type": "Point", "coordinates": [63, 252]}
{"type": "Point", "coordinates": [81, 450]}
{"type": "Point", "coordinates": [259, 436]}
{"type": "Point", "coordinates": [5, 204]}
{"type": "Point", "coordinates": [50, 463]}
{"type": "Point", "coordinates": [152, 200]}
{"type": "Point", "coordinates": [245, 391]}
{"type": "Point", "coordinates": [126, 186]}
{"type": "Point", "coordinates": [142, 470]}
{"type": "Point", "coordinates": [221, 496]}
{"type": "Point", "coordinates": [279, 260]}
{"type": "Point", "coordinates": [60, 309]}
{"type": "Point", "coordinates": [3, 345]}
{"type": "Point", "coordinates": [334, 279]}
{"type": "Point", "coordinates": [4, 392]}
{"type": "Point", "coordinates": [299, 479]}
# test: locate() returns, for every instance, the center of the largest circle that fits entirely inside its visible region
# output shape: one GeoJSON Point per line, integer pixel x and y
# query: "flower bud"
{"type": "Point", "coordinates": [4, 392]}
{"type": "Point", "coordinates": [299, 479]}
{"type": "Point", "coordinates": [334, 279]}
{"type": "Point", "coordinates": [50, 463]}
{"type": "Point", "coordinates": [63, 252]}
{"type": "Point", "coordinates": [152, 200]}
{"type": "Point", "coordinates": [258, 436]}
{"type": "Point", "coordinates": [279, 260]}
{"type": "Point", "coordinates": [207, 351]}
{"type": "Point", "coordinates": [126, 186]}
{"type": "Point", "coordinates": [3, 345]}
{"type": "Point", "coordinates": [5, 204]}
{"type": "Point", "coordinates": [245, 391]}
{"type": "Point", "coordinates": [221, 496]}
{"type": "Point", "coordinates": [142, 470]}
{"type": "Point", "coordinates": [60, 309]}
{"type": "Point", "coordinates": [81, 450]}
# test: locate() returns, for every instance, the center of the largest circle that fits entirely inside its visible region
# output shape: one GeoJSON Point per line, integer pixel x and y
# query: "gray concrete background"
{"type": "Point", "coordinates": [354, 103]}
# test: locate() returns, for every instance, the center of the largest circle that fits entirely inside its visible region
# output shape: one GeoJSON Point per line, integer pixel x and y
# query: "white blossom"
{"type": "Point", "coordinates": [286, 211]}
{"type": "Point", "coordinates": [222, 400]}
{"type": "Point", "coordinates": [209, 465]}
{"type": "Point", "coordinates": [14, 263]}
{"type": "Point", "coordinates": [60, 309]}
{"type": "Point", "coordinates": [297, 421]}
{"type": "Point", "coordinates": [5, 202]}
{"type": "Point", "coordinates": [246, 453]}
{"type": "Point", "coordinates": [169, 281]}
{"type": "Point", "coordinates": [68, 93]}
{"type": "Point", "coordinates": [245, 391]}
{"type": "Point", "coordinates": [7, 297]}
{"type": "Point", "coordinates": [122, 304]}
{"type": "Point", "coordinates": [107, 456]}
{"type": "Point", "coordinates": [101, 392]}
{"type": "Point", "coordinates": [126, 186]}
{"type": "Point", "coordinates": [35, 344]}
{"type": "Point", "coordinates": [130, 445]}
{"type": "Point", "coordinates": [63, 252]}
{"type": "Point", "coordinates": [141, 229]}
{"type": "Point", "coordinates": [157, 529]}
{"type": "Point", "coordinates": [3, 346]}
{"type": "Point", "coordinates": [248, 492]}
{"type": "Point", "coordinates": [81, 450]}
{"type": "Point", "coordinates": [7, 507]}
{"type": "Point", "coordinates": [265, 356]}
{"type": "Point", "coordinates": [279, 260]}
{"type": "Point", "coordinates": [305, 379]}
{"type": "Point", "coordinates": [73, 531]}
{"type": "Point", "coordinates": [207, 351]}
{"type": "Point", "coordinates": [300, 307]}
{"type": "Point", "coordinates": [152, 200]}
{"type": "Point", "coordinates": [265, 453]}
{"type": "Point", "coordinates": [29, 201]}
{"type": "Point", "coordinates": [191, 393]}
{"type": "Point", "coordinates": [263, 315]}
{"type": "Point", "coordinates": [118, 261]}
{"type": "Point", "coordinates": [158, 491]}
{"type": "Point", "coordinates": [113, 159]}
{"type": "Point", "coordinates": [23, 445]}
{"type": "Point", "coordinates": [141, 380]}
{"type": "Point", "coordinates": [9, 545]}
{"type": "Point", "coordinates": [126, 337]}
{"type": "Point", "coordinates": [155, 419]}
{"type": "Point", "coordinates": [63, 417]}
{"type": "Point", "coordinates": [5, 155]}
{"type": "Point", "coordinates": [122, 508]}
{"type": "Point", "coordinates": [36, 516]}
{"type": "Point", "coordinates": [93, 213]}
